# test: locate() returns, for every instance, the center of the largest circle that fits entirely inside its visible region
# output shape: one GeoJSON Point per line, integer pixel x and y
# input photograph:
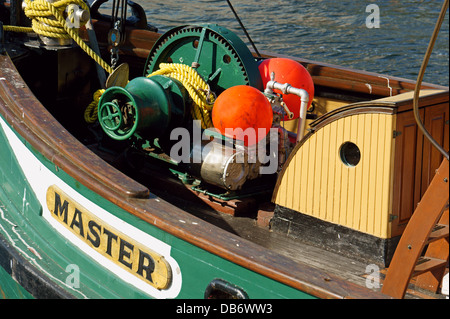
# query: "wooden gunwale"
{"type": "Point", "coordinates": [36, 125]}
{"type": "Point", "coordinates": [356, 81]}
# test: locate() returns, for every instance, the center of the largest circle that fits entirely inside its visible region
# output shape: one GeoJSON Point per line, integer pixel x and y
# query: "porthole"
{"type": "Point", "coordinates": [350, 154]}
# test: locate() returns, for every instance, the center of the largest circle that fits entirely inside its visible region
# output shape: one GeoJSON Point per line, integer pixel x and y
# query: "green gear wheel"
{"type": "Point", "coordinates": [220, 57]}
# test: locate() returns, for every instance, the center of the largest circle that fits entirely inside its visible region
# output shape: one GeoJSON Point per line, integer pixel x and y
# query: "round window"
{"type": "Point", "coordinates": [350, 154]}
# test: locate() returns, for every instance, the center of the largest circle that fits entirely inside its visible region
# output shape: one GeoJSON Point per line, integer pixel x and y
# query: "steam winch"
{"type": "Point", "coordinates": [201, 83]}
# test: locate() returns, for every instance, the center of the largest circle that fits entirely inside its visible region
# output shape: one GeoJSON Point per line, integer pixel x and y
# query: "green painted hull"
{"type": "Point", "coordinates": [10, 289]}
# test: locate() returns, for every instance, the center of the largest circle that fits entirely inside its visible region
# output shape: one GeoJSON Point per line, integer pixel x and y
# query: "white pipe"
{"type": "Point", "coordinates": [286, 88]}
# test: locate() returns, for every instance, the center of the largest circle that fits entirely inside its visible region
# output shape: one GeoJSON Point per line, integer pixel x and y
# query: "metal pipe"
{"type": "Point", "coordinates": [286, 88]}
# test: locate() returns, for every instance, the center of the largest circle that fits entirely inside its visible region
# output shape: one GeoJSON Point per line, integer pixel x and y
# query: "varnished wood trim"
{"type": "Point", "coordinates": [334, 76]}
{"type": "Point", "coordinates": [352, 109]}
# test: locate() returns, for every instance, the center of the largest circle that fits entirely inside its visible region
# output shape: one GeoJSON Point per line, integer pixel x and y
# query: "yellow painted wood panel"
{"type": "Point", "coordinates": [311, 173]}
{"type": "Point", "coordinates": [325, 169]}
{"type": "Point", "coordinates": [365, 172]}
{"type": "Point", "coordinates": [320, 184]}
{"type": "Point", "coordinates": [360, 179]}
{"type": "Point", "coordinates": [352, 189]}
{"type": "Point", "coordinates": [338, 173]}
{"type": "Point", "coordinates": [331, 171]}
{"type": "Point", "coordinates": [318, 172]}
{"type": "Point", "coordinates": [372, 174]}
{"type": "Point", "coordinates": [302, 177]}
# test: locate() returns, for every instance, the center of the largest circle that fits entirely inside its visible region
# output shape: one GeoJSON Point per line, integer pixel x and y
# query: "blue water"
{"type": "Point", "coordinates": [329, 31]}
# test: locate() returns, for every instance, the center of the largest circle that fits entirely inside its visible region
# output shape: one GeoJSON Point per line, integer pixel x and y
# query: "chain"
{"type": "Point", "coordinates": [116, 35]}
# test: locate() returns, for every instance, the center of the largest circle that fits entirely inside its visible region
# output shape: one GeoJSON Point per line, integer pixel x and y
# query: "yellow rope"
{"type": "Point", "coordinates": [197, 88]}
{"type": "Point", "coordinates": [91, 112]}
{"type": "Point", "coordinates": [41, 13]}
{"type": "Point", "coordinates": [13, 28]}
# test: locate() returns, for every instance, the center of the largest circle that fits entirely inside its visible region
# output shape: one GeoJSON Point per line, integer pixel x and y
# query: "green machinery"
{"type": "Point", "coordinates": [148, 109]}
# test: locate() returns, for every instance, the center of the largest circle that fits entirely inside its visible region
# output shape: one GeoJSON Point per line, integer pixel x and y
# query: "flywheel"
{"type": "Point", "coordinates": [220, 57]}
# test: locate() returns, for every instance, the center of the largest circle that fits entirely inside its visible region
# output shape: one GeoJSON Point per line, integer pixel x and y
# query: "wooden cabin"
{"type": "Point", "coordinates": [353, 182]}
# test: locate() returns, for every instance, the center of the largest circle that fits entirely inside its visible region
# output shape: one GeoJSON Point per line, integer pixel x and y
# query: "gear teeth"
{"type": "Point", "coordinates": [234, 53]}
{"type": "Point", "coordinates": [196, 31]}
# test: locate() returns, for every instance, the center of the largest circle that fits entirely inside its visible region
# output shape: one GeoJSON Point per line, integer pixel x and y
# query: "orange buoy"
{"type": "Point", "coordinates": [292, 72]}
{"type": "Point", "coordinates": [243, 113]}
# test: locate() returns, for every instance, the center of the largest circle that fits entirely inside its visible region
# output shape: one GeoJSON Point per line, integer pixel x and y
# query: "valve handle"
{"type": "Point", "coordinates": [111, 115]}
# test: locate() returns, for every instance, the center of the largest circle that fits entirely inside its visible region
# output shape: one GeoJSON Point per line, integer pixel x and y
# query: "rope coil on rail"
{"type": "Point", "coordinates": [42, 12]}
{"type": "Point", "coordinates": [47, 19]}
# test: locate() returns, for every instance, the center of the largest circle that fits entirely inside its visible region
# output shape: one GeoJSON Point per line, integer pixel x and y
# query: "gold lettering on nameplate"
{"type": "Point", "coordinates": [129, 254]}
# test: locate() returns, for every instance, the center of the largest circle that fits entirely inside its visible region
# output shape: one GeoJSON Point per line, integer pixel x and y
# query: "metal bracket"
{"type": "Point", "coordinates": [396, 133]}
{"type": "Point", "coordinates": [392, 217]}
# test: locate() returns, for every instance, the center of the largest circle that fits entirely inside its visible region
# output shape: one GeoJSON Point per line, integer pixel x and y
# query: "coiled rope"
{"type": "Point", "coordinates": [198, 89]}
{"type": "Point", "coordinates": [47, 19]}
{"type": "Point", "coordinates": [91, 112]}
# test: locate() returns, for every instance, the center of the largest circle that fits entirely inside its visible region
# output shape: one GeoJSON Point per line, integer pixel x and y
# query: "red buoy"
{"type": "Point", "coordinates": [243, 113]}
{"type": "Point", "coordinates": [292, 72]}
